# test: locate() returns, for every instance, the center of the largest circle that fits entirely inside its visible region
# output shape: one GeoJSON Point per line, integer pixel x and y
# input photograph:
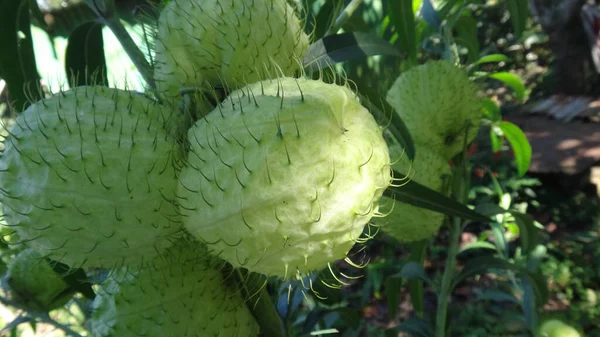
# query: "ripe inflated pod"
{"type": "Point", "coordinates": [88, 177]}
{"type": "Point", "coordinates": [283, 176]}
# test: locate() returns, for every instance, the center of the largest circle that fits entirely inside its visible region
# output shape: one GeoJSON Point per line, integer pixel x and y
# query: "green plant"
{"type": "Point", "coordinates": [277, 177]}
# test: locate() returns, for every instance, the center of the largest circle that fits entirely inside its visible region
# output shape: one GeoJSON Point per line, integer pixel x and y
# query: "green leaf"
{"type": "Point", "coordinates": [413, 271]}
{"type": "Point", "coordinates": [85, 63]}
{"type": "Point", "coordinates": [430, 15]}
{"type": "Point", "coordinates": [527, 231]}
{"type": "Point", "coordinates": [346, 46]}
{"type": "Point", "coordinates": [324, 18]}
{"type": "Point", "coordinates": [403, 19]}
{"type": "Point", "coordinates": [396, 125]}
{"type": "Point", "coordinates": [519, 12]}
{"type": "Point", "coordinates": [76, 279]}
{"type": "Point", "coordinates": [493, 58]}
{"type": "Point", "coordinates": [512, 81]}
{"type": "Point", "coordinates": [485, 264]}
{"type": "Point", "coordinates": [416, 327]}
{"type": "Point", "coordinates": [520, 145]}
{"type": "Point", "coordinates": [418, 251]}
{"type": "Point", "coordinates": [419, 195]}
{"type": "Point", "coordinates": [393, 291]}
{"type": "Point", "coordinates": [466, 29]}
{"type": "Point", "coordinates": [478, 245]}
{"type": "Point", "coordinates": [496, 141]}
{"type": "Point", "coordinates": [17, 59]}
{"type": "Point", "coordinates": [491, 110]}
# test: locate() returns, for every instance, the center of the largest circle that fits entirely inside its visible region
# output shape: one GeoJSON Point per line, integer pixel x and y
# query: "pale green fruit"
{"type": "Point", "coordinates": [284, 175]}
{"type": "Point", "coordinates": [34, 284]}
{"type": "Point", "coordinates": [88, 177]}
{"type": "Point", "coordinates": [405, 222]}
{"type": "Point", "coordinates": [557, 328]}
{"type": "Point", "coordinates": [439, 105]}
{"type": "Point", "coordinates": [182, 294]}
{"type": "Point", "coordinates": [208, 43]}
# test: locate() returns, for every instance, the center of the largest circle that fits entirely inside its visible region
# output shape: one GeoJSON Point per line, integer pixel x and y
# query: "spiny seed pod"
{"type": "Point", "coordinates": [226, 43]}
{"type": "Point", "coordinates": [283, 176]}
{"type": "Point", "coordinates": [88, 177]}
{"type": "Point", "coordinates": [34, 284]}
{"type": "Point", "coordinates": [438, 103]}
{"type": "Point", "coordinates": [181, 294]}
{"type": "Point", "coordinates": [405, 222]}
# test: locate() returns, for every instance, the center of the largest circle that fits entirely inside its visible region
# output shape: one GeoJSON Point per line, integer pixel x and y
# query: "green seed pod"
{"type": "Point", "coordinates": [182, 294]}
{"type": "Point", "coordinates": [88, 177]}
{"type": "Point", "coordinates": [283, 176]}
{"type": "Point", "coordinates": [227, 43]}
{"type": "Point", "coordinates": [439, 105]}
{"type": "Point", "coordinates": [557, 328]}
{"type": "Point", "coordinates": [404, 222]}
{"type": "Point", "coordinates": [34, 285]}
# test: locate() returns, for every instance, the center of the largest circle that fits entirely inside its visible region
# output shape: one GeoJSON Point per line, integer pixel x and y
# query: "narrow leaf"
{"type": "Point", "coordinates": [393, 290]}
{"type": "Point", "coordinates": [17, 59]}
{"type": "Point", "coordinates": [76, 279]}
{"type": "Point", "coordinates": [520, 145]}
{"type": "Point", "coordinates": [493, 58]}
{"type": "Point", "coordinates": [324, 19]}
{"type": "Point", "coordinates": [416, 327]}
{"type": "Point", "coordinates": [466, 29]}
{"type": "Point", "coordinates": [478, 245]}
{"type": "Point", "coordinates": [527, 231]}
{"type": "Point", "coordinates": [396, 125]}
{"type": "Point", "coordinates": [519, 12]}
{"type": "Point", "coordinates": [430, 15]}
{"type": "Point", "coordinates": [403, 19]}
{"type": "Point", "coordinates": [491, 110]}
{"type": "Point", "coordinates": [418, 195]}
{"type": "Point", "coordinates": [85, 63]}
{"type": "Point", "coordinates": [415, 287]}
{"type": "Point", "coordinates": [512, 81]}
{"type": "Point", "coordinates": [485, 264]}
{"type": "Point", "coordinates": [346, 46]}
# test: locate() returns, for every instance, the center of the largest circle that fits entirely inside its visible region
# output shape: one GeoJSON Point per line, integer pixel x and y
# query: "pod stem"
{"type": "Point", "coordinates": [260, 304]}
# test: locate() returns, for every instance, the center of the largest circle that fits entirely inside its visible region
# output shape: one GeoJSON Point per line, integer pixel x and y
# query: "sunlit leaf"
{"type": "Point", "coordinates": [346, 46]}
{"type": "Point", "coordinates": [512, 81]}
{"type": "Point", "coordinates": [493, 58]}
{"type": "Point", "coordinates": [520, 145]}
{"type": "Point", "coordinates": [418, 195]}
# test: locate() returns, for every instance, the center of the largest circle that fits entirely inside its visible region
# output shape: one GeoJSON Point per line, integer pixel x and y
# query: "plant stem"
{"type": "Point", "coordinates": [259, 302]}
{"type": "Point", "coordinates": [455, 227]}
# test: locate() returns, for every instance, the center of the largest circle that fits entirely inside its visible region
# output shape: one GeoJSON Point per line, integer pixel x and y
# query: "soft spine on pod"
{"type": "Point", "coordinates": [227, 43]}
{"type": "Point", "coordinates": [283, 176]}
{"type": "Point", "coordinates": [34, 284]}
{"type": "Point", "coordinates": [182, 293]}
{"type": "Point", "coordinates": [439, 105]}
{"type": "Point", "coordinates": [88, 177]}
{"type": "Point", "coordinates": [405, 222]}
